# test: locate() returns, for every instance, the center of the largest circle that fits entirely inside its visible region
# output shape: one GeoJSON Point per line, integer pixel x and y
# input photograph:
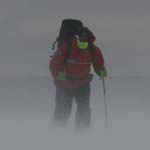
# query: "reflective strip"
{"type": "Point", "coordinates": [74, 61]}
{"type": "Point", "coordinates": [84, 63]}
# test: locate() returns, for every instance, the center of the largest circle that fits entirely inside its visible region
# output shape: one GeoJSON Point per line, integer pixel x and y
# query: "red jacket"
{"type": "Point", "coordinates": [77, 65]}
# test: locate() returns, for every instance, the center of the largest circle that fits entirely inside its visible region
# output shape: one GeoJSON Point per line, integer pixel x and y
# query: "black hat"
{"type": "Point", "coordinates": [83, 32]}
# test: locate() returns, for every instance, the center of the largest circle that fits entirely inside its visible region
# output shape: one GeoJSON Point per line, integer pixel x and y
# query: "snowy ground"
{"type": "Point", "coordinates": [26, 108]}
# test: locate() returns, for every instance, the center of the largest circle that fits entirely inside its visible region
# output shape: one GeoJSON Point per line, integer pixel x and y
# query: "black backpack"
{"type": "Point", "coordinates": [69, 28]}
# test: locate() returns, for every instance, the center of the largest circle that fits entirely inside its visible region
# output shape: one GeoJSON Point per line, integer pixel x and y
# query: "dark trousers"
{"type": "Point", "coordinates": [63, 105]}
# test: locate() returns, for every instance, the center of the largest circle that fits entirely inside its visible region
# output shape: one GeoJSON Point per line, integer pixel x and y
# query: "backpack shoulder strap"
{"type": "Point", "coordinates": [92, 58]}
{"type": "Point", "coordinates": [68, 50]}
{"type": "Point", "coordinates": [91, 52]}
{"type": "Point", "coordinates": [53, 46]}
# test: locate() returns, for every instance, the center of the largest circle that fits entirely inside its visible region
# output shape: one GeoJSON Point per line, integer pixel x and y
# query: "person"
{"type": "Point", "coordinates": [72, 77]}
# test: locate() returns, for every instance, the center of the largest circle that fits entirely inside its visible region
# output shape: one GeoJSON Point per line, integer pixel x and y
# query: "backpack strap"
{"type": "Point", "coordinates": [92, 57]}
{"type": "Point", "coordinates": [53, 46]}
{"type": "Point", "coordinates": [68, 50]}
{"type": "Point", "coordinates": [91, 52]}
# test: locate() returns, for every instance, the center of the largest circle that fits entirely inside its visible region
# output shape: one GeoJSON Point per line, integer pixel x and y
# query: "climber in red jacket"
{"type": "Point", "coordinates": [70, 67]}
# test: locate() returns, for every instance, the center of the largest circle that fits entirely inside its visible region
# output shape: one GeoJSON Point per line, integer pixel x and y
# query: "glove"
{"type": "Point", "coordinates": [61, 76]}
{"type": "Point", "coordinates": [103, 72]}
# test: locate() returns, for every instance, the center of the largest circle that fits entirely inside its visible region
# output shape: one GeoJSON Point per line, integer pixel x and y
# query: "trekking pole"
{"type": "Point", "coordinates": [105, 103]}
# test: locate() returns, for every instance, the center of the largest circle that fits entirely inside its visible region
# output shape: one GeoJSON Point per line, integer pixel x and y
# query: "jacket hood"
{"type": "Point", "coordinates": [85, 35]}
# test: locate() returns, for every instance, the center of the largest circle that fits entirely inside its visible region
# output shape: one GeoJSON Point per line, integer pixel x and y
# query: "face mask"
{"type": "Point", "coordinates": [82, 45]}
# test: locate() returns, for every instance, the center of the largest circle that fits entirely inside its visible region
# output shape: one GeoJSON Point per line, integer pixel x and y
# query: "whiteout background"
{"type": "Point", "coordinates": [27, 90]}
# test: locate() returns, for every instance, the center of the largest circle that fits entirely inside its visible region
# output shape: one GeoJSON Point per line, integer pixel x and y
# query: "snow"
{"type": "Point", "coordinates": [27, 91]}
{"type": "Point", "coordinates": [27, 104]}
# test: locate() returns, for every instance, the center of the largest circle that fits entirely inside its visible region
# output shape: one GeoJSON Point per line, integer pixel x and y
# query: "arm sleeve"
{"type": "Point", "coordinates": [98, 59]}
{"type": "Point", "coordinates": [56, 64]}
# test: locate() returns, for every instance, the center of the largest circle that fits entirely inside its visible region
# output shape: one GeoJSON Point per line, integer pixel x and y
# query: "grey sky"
{"type": "Point", "coordinates": [122, 29]}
